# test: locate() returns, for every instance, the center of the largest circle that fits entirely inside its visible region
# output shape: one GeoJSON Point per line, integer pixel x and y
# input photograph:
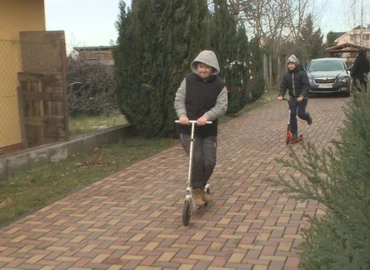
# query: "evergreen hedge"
{"type": "Point", "coordinates": [256, 83]}
{"type": "Point", "coordinates": [231, 49]}
{"type": "Point", "coordinates": [338, 177]}
{"type": "Point", "coordinates": [157, 40]}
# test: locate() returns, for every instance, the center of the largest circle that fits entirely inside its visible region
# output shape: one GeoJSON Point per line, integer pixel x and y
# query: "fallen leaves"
{"type": "Point", "coordinates": [29, 180]}
{"type": "Point", "coordinates": [95, 163]}
{"type": "Point", "coordinates": [6, 203]}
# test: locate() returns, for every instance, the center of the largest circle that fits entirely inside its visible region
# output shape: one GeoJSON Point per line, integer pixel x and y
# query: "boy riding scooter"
{"type": "Point", "coordinates": [296, 81]}
{"type": "Point", "coordinates": [202, 96]}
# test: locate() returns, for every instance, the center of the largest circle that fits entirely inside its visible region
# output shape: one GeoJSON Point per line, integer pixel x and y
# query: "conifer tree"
{"type": "Point", "coordinates": [257, 82]}
{"type": "Point", "coordinates": [338, 178]}
{"type": "Point", "coordinates": [330, 39]}
{"type": "Point", "coordinates": [310, 41]}
{"type": "Point", "coordinates": [231, 48]}
{"type": "Point", "coordinates": [156, 43]}
{"type": "Point", "coordinates": [223, 33]}
{"type": "Point", "coordinates": [330, 42]}
{"type": "Point", "coordinates": [243, 57]}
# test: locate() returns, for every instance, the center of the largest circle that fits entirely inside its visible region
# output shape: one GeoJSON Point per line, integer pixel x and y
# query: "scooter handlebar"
{"type": "Point", "coordinates": [193, 121]}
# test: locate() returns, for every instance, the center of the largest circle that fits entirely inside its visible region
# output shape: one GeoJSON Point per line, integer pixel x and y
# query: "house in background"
{"type": "Point", "coordinates": [349, 43]}
{"type": "Point", "coordinates": [359, 36]}
{"type": "Point", "coordinates": [96, 54]}
{"type": "Point", "coordinates": [15, 16]}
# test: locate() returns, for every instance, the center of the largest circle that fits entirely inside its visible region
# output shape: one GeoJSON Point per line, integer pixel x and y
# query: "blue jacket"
{"type": "Point", "coordinates": [296, 81]}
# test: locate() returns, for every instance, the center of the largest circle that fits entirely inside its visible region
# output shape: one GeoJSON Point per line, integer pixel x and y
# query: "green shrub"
{"type": "Point", "coordinates": [338, 177]}
{"type": "Point", "coordinates": [236, 99]}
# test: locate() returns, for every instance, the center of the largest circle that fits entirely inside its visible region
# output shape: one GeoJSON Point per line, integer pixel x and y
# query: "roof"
{"type": "Point", "coordinates": [359, 27]}
{"type": "Point", "coordinates": [338, 34]}
{"type": "Point", "coordinates": [347, 47]}
{"type": "Point", "coordinates": [94, 48]}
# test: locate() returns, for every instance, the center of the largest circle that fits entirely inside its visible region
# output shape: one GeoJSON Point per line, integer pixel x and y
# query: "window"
{"type": "Point", "coordinates": [326, 65]}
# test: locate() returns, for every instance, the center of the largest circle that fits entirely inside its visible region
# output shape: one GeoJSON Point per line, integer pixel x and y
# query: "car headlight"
{"type": "Point", "coordinates": [343, 79]}
{"type": "Point", "coordinates": [311, 80]}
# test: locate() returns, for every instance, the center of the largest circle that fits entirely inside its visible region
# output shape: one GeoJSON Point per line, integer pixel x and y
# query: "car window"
{"type": "Point", "coordinates": [325, 65]}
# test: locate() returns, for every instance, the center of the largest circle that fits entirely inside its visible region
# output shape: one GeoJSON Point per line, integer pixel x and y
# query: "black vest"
{"type": "Point", "coordinates": [201, 96]}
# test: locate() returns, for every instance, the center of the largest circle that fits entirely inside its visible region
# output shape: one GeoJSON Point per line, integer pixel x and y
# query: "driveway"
{"type": "Point", "coordinates": [132, 219]}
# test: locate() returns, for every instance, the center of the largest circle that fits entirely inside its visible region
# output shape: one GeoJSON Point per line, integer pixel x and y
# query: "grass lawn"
{"type": "Point", "coordinates": [84, 124]}
{"type": "Point", "coordinates": [33, 189]}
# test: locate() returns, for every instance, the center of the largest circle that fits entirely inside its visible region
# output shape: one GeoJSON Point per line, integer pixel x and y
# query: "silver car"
{"type": "Point", "coordinates": [329, 75]}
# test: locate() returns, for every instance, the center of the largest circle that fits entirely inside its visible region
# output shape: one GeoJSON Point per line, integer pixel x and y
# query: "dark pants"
{"type": "Point", "coordinates": [300, 108]}
{"type": "Point", "coordinates": [360, 84]}
{"type": "Point", "coordinates": [204, 158]}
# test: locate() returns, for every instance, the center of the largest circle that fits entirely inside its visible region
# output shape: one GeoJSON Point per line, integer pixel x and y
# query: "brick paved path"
{"type": "Point", "coordinates": [132, 219]}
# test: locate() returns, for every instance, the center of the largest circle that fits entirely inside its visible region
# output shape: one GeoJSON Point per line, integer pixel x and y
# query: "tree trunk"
{"type": "Point", "coordinates": [270, 73]}
{"type": "Point", "coordinates": [265, 70]}
{"type": "Point", "coordinates": [278, 73]}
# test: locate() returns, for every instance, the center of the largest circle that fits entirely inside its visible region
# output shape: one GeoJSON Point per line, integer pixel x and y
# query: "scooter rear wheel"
{"type": "Point", "coordinates": [186, 212]}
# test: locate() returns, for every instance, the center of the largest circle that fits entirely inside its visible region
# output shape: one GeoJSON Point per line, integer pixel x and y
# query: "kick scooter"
{"type": "Point", "coordinates": [289, 138]}
{"type": "Point", "coordinates": [189, 202]}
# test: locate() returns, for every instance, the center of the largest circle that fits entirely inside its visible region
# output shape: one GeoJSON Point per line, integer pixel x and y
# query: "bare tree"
{"type": "Point", "coordinates": [274, 22]}
{"type": "Point", "coordinates": [298, 11]}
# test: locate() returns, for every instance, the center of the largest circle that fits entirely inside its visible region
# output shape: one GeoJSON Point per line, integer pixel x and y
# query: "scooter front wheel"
{"type": "Point", "coordinates": [186, 212]}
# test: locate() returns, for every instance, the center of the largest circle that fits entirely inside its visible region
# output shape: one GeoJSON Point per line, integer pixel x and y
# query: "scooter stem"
{"type": "Point", "coordinates": [193, 123]}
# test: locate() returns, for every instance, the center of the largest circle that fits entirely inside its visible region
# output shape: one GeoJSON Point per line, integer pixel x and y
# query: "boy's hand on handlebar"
{"type": "Point", "coordinates": [300, 98]}
{"type": "Point", "coordinates": [184, 120]}
{"type": "Point", "coordinates": [280, 98]}
{"type": "Point", "coordinates": [202, 120]}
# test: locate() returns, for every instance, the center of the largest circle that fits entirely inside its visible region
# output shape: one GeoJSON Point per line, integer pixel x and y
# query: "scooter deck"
{"type": "Point", "coordinates": [199, 209]}
{"type": "Point", "coordinates": [296, 140]}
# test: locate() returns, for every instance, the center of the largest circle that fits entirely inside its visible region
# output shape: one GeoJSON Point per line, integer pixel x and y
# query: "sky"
{"type": "Point", "coordinates": [85, 22]}
{"type": "Point", "coordinates": [92, 22]}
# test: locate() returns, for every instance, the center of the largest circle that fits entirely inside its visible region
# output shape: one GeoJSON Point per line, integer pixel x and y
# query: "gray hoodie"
{"type": "Point", "coordinates": [209, 58]}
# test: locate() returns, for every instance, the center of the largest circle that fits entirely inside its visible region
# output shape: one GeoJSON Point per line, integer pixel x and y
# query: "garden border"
{"type": "Point", "coordinates": [51, 153]}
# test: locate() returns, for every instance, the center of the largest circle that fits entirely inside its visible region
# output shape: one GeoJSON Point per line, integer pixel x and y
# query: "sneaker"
{"type": "Point", "coordinates": [198, 196]}
{"type": "Point", "coordinates": [207, 197]}
{"type": "Point", "coordinates": [309, 120]}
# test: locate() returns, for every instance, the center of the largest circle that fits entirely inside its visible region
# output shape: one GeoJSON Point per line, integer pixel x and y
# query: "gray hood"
{"type": "Point", "coordinates": [207, 57]}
